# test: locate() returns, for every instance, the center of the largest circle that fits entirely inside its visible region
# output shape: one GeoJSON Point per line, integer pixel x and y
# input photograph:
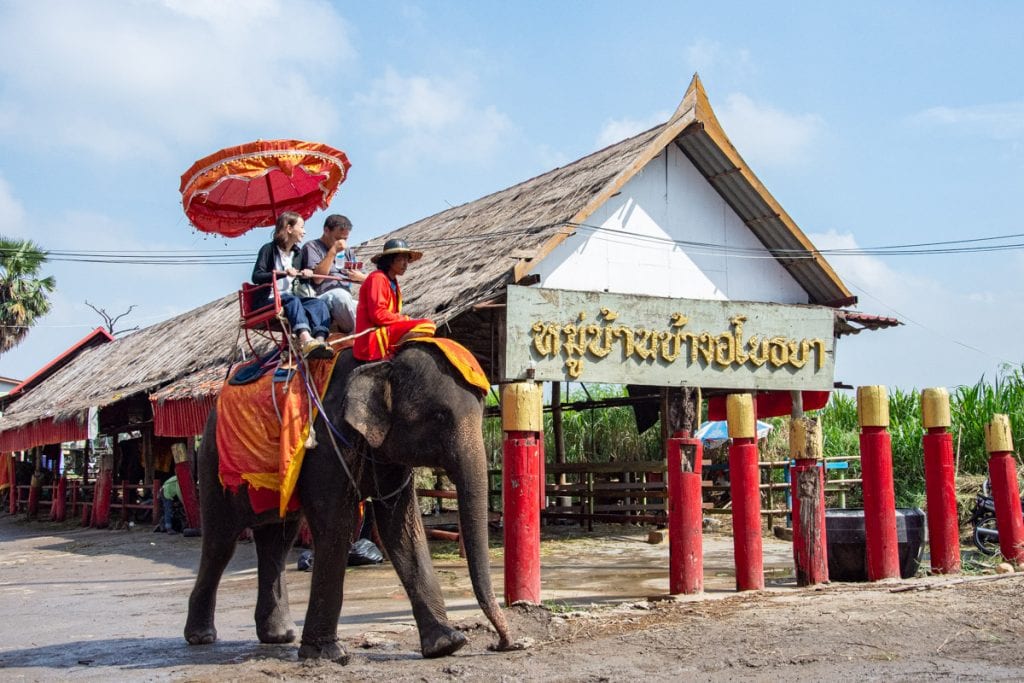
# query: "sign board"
{"type": "Point", "coordinates": [562, 335]}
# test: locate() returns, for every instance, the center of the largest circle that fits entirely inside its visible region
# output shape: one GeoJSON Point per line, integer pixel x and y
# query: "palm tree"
{"type": "Point", "coordinates": [23, 295]}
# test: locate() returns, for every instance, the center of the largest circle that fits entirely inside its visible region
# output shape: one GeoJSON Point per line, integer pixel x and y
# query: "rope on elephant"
{"type": "Point", "coordinates": [331, 433]}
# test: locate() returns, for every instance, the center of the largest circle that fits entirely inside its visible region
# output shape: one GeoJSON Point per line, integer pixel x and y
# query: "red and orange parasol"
{"type": "Point", "coordinates": [239, 188]}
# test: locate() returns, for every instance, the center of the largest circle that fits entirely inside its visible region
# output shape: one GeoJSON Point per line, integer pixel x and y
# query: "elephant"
{"type": "Point", "coordinates": [413, 410]}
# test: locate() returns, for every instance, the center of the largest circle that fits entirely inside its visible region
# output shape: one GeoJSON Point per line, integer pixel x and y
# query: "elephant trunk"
{"type": "Point", "coordinates": [472, 486]}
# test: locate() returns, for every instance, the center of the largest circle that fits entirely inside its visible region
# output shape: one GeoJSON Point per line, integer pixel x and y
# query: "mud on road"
{"type": "Point", "coordinates": [79, 604]}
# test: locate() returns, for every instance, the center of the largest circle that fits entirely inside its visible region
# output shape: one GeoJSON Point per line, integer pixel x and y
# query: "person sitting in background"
{"type": "Point", "coordinates": [321, 256]}
{"type": "Point", "coordinates": [308, 316]}
{"type": "Point", "coordinates": [379, 313]}
{"type": "Point", "coordinates": [167, 494]}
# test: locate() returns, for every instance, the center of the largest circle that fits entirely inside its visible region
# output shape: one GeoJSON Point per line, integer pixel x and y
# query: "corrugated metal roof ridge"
{"type": "Point", "coordinates": [758, 214]}
{"type": "Point", "coordinates": [708, 124]}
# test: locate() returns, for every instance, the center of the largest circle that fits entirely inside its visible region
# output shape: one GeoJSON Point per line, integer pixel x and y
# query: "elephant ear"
{"type": "Point", "coordinates": [368, 402]}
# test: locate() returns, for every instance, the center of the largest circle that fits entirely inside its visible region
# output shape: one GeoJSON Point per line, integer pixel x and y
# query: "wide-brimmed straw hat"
{"type": "Point", "coordinates": [397, 246]}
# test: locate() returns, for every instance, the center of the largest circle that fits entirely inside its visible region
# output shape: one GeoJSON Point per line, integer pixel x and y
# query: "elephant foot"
{"type": "Point", "coordinates": [441, 644]}
{"type": "Point", "coordinates": [277, 637]}
{"type": "Point", "coordinates": [329, 649]}
{"type": "Point", "coordinates": [201, 636]}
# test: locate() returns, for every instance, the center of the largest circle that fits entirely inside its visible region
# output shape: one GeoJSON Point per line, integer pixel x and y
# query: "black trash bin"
{"type": "Point", "coordinates": [847, 547]}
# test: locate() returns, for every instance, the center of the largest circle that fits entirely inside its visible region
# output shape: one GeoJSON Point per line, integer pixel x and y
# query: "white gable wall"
{"type": "Point", "coordinates": [632, 250]}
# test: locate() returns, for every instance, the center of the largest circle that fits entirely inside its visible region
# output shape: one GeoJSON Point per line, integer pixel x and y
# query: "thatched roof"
{"type": "Point", "coordinates": [476, 249]}
{"type": "Point", "coordinates": [135, 364]}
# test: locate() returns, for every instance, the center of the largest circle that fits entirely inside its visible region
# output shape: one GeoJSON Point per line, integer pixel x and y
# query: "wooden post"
{"type": "Point", "coordinates": [810, 552]}
{"type": "Point", "coordinates": [556, 426]}
{"type": "Point", "coordinates": [148, 457]}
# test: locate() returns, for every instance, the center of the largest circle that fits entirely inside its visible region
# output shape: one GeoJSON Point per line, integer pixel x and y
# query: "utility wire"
{"type": "Point", "coordinates": [239, 257]}
{"type": "Point", "coordinates": [905, 318]}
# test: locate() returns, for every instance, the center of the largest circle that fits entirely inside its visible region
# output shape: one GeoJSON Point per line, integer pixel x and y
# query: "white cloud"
{"type": "Point", "coordinates": [617, 130]}
{"type": "Point", "coordinates": [767, 136]}
{"type": "Point", "coordinates": [950, 336]}
{"type": "Point", "coordinates": [134, 79]}
{"type": "Point", "coordinates": [430, 118]}
{"type": "Point", "coordinates": [1001, 121]}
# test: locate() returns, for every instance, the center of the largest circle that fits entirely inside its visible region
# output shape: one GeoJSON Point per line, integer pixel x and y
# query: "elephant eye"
{"type": "Point", "coordinates": [440, 416]}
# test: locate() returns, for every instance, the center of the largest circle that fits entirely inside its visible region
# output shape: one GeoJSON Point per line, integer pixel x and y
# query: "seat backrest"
{"type": "Point", "coordinates": [258, 303]}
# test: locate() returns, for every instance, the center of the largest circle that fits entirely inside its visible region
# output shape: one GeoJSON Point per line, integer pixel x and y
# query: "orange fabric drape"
{"type": "Point", "coordinates": [262, 429]}
{"type": "Point", "coordinates": [461, 358]}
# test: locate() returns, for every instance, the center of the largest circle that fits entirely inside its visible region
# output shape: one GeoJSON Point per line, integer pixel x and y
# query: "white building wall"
{"type": "Point", "coordinates": [633, 249]}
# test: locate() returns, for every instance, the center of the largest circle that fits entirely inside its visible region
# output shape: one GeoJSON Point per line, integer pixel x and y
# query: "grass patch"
{"type": "Point", "coordinates": [557, 606]}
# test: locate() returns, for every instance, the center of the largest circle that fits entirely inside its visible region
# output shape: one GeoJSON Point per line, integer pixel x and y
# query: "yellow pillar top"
{"type": "Point", "coordinates": [935, 408]}
{"type": "Point", "coordinates": [998, 436]}
{"type": "Point", "coordinates": [739, 411]}
{"type": "Point", "coordinates": [873, 406]}
{"type": "Point", "coordinates": [522, 407]}
{"type": "Point", "coordinates": [805, 438]}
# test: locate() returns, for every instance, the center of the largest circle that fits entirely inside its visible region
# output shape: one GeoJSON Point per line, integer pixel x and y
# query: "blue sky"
{"type": "Point", "coordinates": [873, 124]}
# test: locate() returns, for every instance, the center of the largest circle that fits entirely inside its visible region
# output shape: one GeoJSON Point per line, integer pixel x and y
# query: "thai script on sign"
{"type": "Point", "coordinates": [579, 340]}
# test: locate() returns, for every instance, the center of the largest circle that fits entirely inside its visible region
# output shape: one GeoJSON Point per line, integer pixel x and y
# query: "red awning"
{"type": "Point", "coordinates": [42, 432]}
{"type": "Point", "coordinates": [181, 417]}
{"type": "Point", "coordinates": [771, 403]}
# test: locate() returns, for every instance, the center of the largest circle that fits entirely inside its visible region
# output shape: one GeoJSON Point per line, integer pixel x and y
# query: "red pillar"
{"type": "Point", "coordinates": [189, 499]}
{"type": "Point", "coordinates": [521, 419]}
{"type": "Point", "coordinates": [33, 496]}
{"type": "Point", "coordinates": [58, 509]}
{"type": "Point", "coordinates": [1002, 469]}
{"type": "Point", "coordinates": [685, 519]}
{"type": "Point", "coordinates": [883, 557]}
{"type": "Point", "coordinates": [745, 491]}
{"type": "Point", "coordinates": [101, 499]}
{"type": "Point", "coordinates": [940, 482]}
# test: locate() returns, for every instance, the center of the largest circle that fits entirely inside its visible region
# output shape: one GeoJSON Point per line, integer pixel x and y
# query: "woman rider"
{"type": "Point", "coordinates": [379, 313]}
{"type": "Point", "coordinates": [309, 317]}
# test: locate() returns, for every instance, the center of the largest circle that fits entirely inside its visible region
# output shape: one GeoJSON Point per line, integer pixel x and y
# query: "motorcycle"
{"type": "Point", "coordinates": [983, 519]}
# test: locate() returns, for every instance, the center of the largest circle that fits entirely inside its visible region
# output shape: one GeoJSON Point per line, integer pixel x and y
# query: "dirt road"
{"type": "Point", "coordinates": [102, 605]}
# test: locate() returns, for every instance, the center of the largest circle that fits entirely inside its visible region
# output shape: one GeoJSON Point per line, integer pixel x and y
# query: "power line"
{"type": "Point", "coordinates": [241, 257]}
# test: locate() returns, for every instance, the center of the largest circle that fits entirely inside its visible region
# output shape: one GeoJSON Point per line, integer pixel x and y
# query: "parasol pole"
{"type": "Point", "coordinates": [270, 193]}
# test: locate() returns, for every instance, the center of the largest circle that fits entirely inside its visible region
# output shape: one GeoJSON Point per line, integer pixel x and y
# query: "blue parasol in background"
{"type": "Point", "coordinates": [718, 430]}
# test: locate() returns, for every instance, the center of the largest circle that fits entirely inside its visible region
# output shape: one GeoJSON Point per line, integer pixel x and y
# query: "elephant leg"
{"type": "Point", "coordinates": [273, 617]}
{"type": "Point", "coordinates": [218, 548]}
{"type": "Point", "coordinates": [330, 520]}
{"type": "Point", "coordinates": [401, 529]}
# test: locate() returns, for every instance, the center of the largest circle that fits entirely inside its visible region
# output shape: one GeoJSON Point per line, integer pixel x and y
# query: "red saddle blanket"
{"type": "Point", "coordinates": [262, 428]}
